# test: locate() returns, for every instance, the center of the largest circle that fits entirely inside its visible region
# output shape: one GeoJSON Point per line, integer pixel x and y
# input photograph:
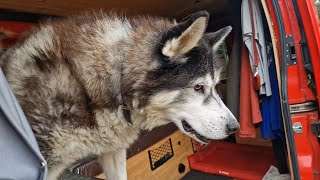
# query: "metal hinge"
{"type": "Point", "coordinates": [291, 56]}
{"type": "Point", "coordinates": [303, 107]}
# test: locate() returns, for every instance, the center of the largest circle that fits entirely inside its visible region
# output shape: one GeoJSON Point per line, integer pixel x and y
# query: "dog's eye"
{"type": "Point", "coordinates": [199, 87]}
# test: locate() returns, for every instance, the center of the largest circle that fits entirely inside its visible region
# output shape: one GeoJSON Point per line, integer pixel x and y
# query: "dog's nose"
{"type": "Point", "coordinates": [232, 127]}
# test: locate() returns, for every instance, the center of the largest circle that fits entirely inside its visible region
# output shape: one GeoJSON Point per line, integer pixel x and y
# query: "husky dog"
{"type": "Point", "coordinates": [88, 84]}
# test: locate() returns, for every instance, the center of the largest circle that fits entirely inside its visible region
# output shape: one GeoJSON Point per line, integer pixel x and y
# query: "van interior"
{"type": "Point", "coordinates": [165, 153]}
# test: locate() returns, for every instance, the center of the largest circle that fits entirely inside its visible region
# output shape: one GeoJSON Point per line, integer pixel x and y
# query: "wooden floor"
{"type": "Point", "coordinates": [138, 166]}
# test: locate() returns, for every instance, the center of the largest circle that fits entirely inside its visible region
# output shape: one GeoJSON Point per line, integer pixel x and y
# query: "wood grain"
{"type": "Point", "coordinates": [138, 166]}
{"type": "Point", "coordinates": [166, 8]}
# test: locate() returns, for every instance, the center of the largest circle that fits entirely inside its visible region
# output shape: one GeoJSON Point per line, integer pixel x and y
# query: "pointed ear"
{"type": "Point", "coordinates": [216, 38]}
{"type": "Point", "coordinates": [183, 37]}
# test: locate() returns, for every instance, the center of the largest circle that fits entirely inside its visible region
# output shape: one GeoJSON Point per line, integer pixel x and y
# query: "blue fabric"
{"type": "Point", "coordinates": [272, 125]}
{"type": "Point", "coordinates": [20, 157]}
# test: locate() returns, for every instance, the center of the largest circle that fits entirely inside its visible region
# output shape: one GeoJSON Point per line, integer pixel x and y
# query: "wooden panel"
{"type": "Point", "coordinates": [129, 7]}
{"type": "Point", "coordinates": [29, 1]}
{"type": "Point", "coordinates": [39, 7]}
{"type": "Point", "coordinates": [138, 166]}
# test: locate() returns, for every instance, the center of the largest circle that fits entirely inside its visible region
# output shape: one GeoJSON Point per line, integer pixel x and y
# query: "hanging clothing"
{"type": "Point", "coordinates": [253, 37]}
{"type": "Point", "coordinates": [249, 113]}
{"type": "Point", "coordinates": [272, 125]}
{"type": "Point", "coordinates": [253, 74]}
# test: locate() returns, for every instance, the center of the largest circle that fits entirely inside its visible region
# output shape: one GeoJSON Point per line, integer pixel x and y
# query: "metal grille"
{"type": "Point", "coordinates": [160, 155]}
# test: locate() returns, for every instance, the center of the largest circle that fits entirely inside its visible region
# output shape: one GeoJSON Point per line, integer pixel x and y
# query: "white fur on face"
{"type": "Point", "coordinates": [164, 98]}
{"type": "Point", "coordinates": [208, 119]}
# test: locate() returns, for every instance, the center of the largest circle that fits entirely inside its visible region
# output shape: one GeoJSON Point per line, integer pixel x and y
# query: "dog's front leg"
{"type": "Point", "coordinates": [114, 165]}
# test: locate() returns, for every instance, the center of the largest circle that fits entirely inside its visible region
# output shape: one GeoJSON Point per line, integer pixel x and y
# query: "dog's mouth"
{"type": "Point", "coordinates": [187, 127]}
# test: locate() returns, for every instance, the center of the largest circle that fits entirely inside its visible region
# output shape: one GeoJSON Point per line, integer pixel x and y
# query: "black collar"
{"type": "Point", "coordinates": [125, 108]}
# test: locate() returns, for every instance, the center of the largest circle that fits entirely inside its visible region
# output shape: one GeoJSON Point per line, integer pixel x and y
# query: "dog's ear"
{"type": "Point", "coordinates": [216, 38]}
{"type": "Point", "coordinates": [183, 37]}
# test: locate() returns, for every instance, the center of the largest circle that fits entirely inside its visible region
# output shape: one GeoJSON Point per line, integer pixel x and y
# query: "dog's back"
{"type": "Point", "coordinates": [39, 71]}
{"type": "Point", "coordinates": [64, 70]}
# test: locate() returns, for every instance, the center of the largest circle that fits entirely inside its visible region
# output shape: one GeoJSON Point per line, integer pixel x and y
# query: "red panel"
{"type": "Point", "coordinates": [307, 145]}
{"type": "Point", "coordinates": [312, 28]}
{"type": "Point", "coordinates": [298, 91]}
{"type": "Point", "coordinates": [308, 150]}
{"type": "Point", "coordinates": [285, 16]}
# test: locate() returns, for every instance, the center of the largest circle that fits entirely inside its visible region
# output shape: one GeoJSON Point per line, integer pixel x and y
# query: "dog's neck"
{"type": "Point", "coordinates": [126, 110]}
{"type": "Point", "coordinates": [138, 58]}
{"type": "Point", "coordinates": [139, 116]}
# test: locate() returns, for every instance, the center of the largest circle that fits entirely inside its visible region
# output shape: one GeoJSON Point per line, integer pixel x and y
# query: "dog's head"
{"type": "Point", "coordinates": [181, 87]}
